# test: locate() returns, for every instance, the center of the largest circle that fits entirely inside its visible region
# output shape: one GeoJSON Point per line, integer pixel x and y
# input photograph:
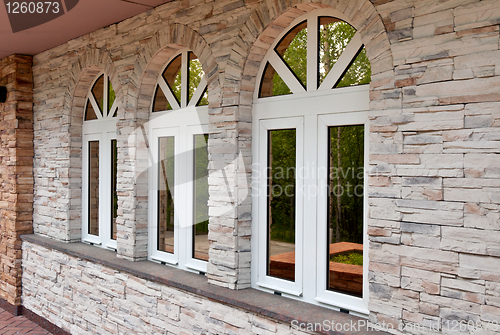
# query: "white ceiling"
{"type": "Point", "coordinates": [85, 17]}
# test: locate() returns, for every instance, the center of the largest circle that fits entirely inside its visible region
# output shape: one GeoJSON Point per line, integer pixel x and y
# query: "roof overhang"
{"type": "Point", "coordinates": [87, 16]}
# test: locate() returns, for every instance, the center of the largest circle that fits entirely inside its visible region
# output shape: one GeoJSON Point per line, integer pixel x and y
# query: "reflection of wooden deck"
{"type": "Point", "coordinates": [343, 277]}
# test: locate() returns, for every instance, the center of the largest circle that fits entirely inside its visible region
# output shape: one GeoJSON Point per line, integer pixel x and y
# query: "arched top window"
{"type": "Point", "coordinates": [101, 100]}
{"type": "Point", "coordinates": [182, 84]}
{"type": "Point", "coordinates": [100, 165]}
{"type": "Point", "coordinates": [178, 179]}
{"type": "Point", "coordinates": [318, 53]}
{"type": "Point", "coordinates": [309, 142]}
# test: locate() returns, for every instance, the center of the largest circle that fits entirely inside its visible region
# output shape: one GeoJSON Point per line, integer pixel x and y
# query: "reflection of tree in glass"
{"type": "Point", "coordinates": [195, 75]}
{"type": "Point", "coordinates": [334, 38]}
{"type": "Point", "coordinates": [201, 184]}
{"type": "Point", "coordinates": [346, 183]}
{"type": "Point", "coordinates": [282, 185]}
{"type": "Point", "coordinates": [296, 58]}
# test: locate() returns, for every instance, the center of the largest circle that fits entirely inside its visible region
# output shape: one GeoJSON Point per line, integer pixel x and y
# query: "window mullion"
{"type": "Point", "coordinates": [285, 73]}
{"type": "Point", "coordinates": [105, 105]}
{"type": "Point", "coordinates": [184, 79]}
{"type": "Point", "coordinates": [312, 53]}
{"type": "Point", "coordinates": [168, 93]}
{"type": "Point", "coordinates": [199, 91]}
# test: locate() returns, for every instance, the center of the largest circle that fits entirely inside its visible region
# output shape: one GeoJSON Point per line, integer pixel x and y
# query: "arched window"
{"type": "Point", "coordinates": [178, 198]}
{"type": "Point", "coordinates": [100, 201]}
{"type": "Point", "coordinates": [309, 125]}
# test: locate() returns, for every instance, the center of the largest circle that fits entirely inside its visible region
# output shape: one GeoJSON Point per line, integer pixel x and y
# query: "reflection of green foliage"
{"type": "Point", "coordinates": [354, 258]}
{"type": "Point", "coordinates": [296, 58]}
{"type": "Point", "coordinates": [334, 38]}
{"type": "Point", "coordinates": [176, 88]}
{"type": "Point", "coordinates": [111, 96]}
{"type": "Point", "coordinates": [346, 181]}
{"type": "Point", "coordinates": [282, 185]}
{"type": "Point", "coordinates": [201, 183]}
{"type": "Point", "coordinates": [167, 173]}
{"type": "Point", "coordinates": [195, 75]}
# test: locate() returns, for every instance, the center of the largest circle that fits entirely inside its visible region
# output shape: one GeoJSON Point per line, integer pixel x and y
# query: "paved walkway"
{"type": "Point", "coordinates": [10, 324]}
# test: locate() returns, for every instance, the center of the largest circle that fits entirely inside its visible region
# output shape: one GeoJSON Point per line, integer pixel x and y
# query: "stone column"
{"type": "Point", "coordinates": [16, 173]}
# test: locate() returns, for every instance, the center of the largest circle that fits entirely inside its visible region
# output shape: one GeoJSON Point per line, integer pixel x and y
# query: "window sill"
{"type": "Point", "coordinates": [273, 306]}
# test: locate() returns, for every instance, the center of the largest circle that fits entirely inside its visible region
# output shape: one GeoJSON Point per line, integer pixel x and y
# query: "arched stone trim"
{"type": "Point", "coordinates": [268, 21]}
{"type": "Point", "coordinates": [82, 73]}
{"type": "Point", "coordinates": [156, 53]}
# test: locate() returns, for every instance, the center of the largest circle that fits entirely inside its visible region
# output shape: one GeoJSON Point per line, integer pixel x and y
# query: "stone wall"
{"type": "Point", "coordinates": [16, 171]}
{"type": "Point", "coordinates": [86, 298]}
{"type": "Point", "coordinates": [434, 196]}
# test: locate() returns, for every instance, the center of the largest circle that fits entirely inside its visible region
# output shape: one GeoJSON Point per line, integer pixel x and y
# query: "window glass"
{"type": "Point", "coordinates": [172, 76]}
{"type": "Point", "coordinates": [272, 83]}
{"type": "Point", "coordinates": [98, 92]}
{"type": "Point", "coordinates": [96, 97]}
{"type": "Point", "coordinates": [93, 184]}
{"type": "Point", "coordinates": [166, 173]}
{"type": "Point", "coordinates": [281, 203]}
{"type": "Point", "coordinates": [90, 112]}
{"type": "Point", "coordinates": [345, 210]}
{"type": "Point", "coordinates": [200, 230]}
{"type": "Point", "coordinates": [111, 96]}
{"type": "Point", "coordinates": [160, 103]}
{"type": "Point", "coordinates": [359, 73]}
{"type": "Point", "coordinates": [293, 50]}
{"type": "Point", "coordinates": [114, 194]}
{"type": "Point", "coordinates": [195, 75]}
{"type": "Point", "coordinates": [334, 35]}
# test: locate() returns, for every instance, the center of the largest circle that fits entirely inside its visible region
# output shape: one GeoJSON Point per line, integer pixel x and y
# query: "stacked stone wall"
{"type": "Point", "coordinates": [86, 298]}
{"type": "Point", "coordinates": [434, 156]}
{"type": "Point", "coordinates": [434, 195]}
{"type": "Point", "coordinates": [16, 171]}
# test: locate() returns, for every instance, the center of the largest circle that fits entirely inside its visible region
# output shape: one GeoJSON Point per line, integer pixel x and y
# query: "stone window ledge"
{"type": "Point", "coordinates": [273, 306]}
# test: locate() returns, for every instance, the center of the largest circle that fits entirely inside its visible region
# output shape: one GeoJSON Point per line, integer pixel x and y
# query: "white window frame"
{"type": "Point", "coordinates": [183, 122]}
{"type": "Point", "coordinates": [103, 130]}
{"type": "Point", "coordinates": [319, 108]}
{"type": "Point", "coordinates": [274, 283]}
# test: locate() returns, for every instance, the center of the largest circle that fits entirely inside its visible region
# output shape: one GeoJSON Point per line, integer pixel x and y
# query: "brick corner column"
{"type": "Point", "coordinates": [16, 171]}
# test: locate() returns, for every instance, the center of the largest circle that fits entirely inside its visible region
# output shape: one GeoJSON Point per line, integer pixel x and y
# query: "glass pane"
{"type": "Point", "coordinates": [359, 72]}
{"type": "Point", "coordinates": [293, 49]}
{"type": "Point", "coordinates": [204, 98]}
{"type": "Point", "coordinates": [93, 201]}
{"type": "Point", "coordinates": [281, 203]}
{"type": "Point", "coordinates": [89, 112]}
{"type": "Point", "coordinates": [98, 92]}
{"type": "Point", "coordinates": [200, 191]}
{"type": "Point", "coordinates": [172, 76]}
{"type": "Point", "coordinates": [345, 210]}
{"type": "Point", "coordinates": [195, 75]}
{"type": "Point", "coordinates": [111, 96]}
{"type": "Point", "coordinates": [272, 84]}
{"type": "Point", "coordinates": [166, 173]}
{"type": "Point", "coordinates": [114, 194]}
{"type": "Point", "coordinates": [161, 102]}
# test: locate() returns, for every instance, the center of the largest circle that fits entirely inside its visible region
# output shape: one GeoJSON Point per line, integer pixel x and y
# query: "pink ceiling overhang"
{"type": "Point", "coordinates": [87, 16]}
